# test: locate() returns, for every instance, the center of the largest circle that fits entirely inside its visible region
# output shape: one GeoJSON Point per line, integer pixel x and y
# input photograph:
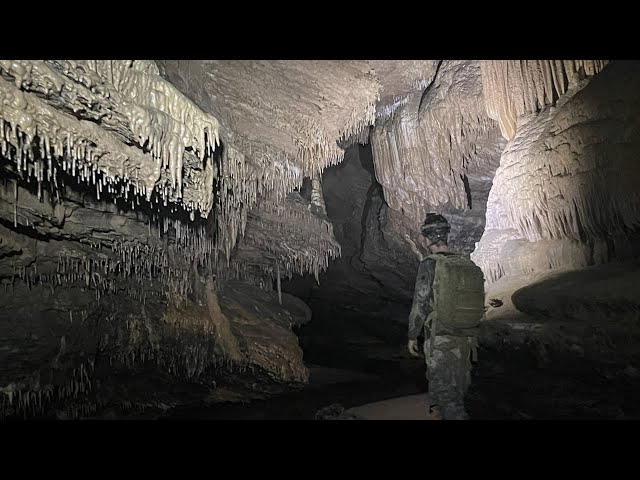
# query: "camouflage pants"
{"type": "Point", "coordinates": [448, 360]}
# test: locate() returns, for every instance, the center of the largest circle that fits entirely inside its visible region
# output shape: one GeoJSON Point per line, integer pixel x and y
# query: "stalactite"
{"type": "Point", "coordinates": [306, 242]}
{"type": "Point", "coordinates": [43, 141]}
{"type": "Point", "coordinates": [420, 154]}
{"type": "Point", "coordinates": [279, 289]}
{"type": "Point", "coordinates": [162, 119]}
{"type": "Point", "coordinates": [514, 88]}
{"type": "Point", "coordinates": [317, 198]}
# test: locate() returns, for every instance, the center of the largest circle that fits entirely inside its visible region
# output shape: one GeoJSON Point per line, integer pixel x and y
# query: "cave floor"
{"type": "Point", "coordinates": [327, 386]}
{"type": "Point", "coordinates": [563, 345]}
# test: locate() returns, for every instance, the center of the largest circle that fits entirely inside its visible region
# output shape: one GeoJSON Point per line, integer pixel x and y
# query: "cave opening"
{"type": "Point", "coordinates": [360, 304]}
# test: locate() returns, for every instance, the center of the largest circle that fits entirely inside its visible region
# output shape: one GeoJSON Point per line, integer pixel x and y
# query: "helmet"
{"type": "Point", "coordinates": [436, 227]}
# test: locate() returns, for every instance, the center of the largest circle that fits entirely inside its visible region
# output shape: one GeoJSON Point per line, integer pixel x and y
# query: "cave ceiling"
{"type": "Point", "coordinates": [209, 153]}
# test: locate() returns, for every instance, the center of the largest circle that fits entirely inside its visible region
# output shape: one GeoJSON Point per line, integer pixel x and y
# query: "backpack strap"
{"type": "Point", "coordinates": [430, 333]}
{"type": "Point", "coordinates": [474, 349]}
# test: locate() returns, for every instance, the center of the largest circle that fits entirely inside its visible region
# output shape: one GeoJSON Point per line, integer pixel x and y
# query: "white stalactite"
{"type": "Point", "coordinates": [162, 119]}
{"type": "Point", "coordinates": [421, 153]}
{"type": "Point", "coordinates": [515, 88]}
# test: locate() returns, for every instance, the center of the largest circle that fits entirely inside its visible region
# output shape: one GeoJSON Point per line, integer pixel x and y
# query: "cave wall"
{"type": "Point", "coordinates": [565, 193]}
{"type": "Point", "coordinates": [69, 355]}
{"type": "Point", "coordinates": [115, 232]}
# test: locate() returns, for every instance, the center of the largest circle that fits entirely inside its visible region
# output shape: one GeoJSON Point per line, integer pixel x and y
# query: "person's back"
{"type": "Point", "coordinates": [458, 292]}
{"type": "Point", "coordinates": [448, 304]}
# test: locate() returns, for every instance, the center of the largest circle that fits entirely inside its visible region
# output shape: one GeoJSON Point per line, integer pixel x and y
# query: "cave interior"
{"type": "Point", "coordinates": [239, 239]}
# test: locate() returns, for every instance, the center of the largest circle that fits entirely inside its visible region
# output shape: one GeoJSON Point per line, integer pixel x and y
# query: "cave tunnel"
{"type": "Point", "coordinates": [216, 239]}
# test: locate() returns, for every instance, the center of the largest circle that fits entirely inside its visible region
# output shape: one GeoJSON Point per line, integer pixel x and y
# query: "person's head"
{"type": "Point", "coordinates": [436, 230]}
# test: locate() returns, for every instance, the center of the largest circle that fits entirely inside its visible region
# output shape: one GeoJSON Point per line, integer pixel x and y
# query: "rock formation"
{"type": "Point", "coordinates": [564, 194]}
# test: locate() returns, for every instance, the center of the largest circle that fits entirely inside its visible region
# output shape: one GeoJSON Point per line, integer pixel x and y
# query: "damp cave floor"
{"type": "Point", "coordinates": [400, 396]}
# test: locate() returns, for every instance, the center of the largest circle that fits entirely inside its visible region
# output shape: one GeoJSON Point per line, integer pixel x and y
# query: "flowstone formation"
{"type": "Point", "coordinates": [436, 150]}
{"type": "Point", "coordinates": [110, 136]}
{"type": "Point", "coordinates": [115, 124]}
{"type": "Point", "coordinates": [515, 88]}
{"type": "Point", "coordinates": [565, 193]}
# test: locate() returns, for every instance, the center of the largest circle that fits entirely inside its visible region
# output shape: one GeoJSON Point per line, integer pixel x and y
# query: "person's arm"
{"type": "Point", "coordinates": [414, 248]}
{"type": "Point", "coordinates": [421, 305]}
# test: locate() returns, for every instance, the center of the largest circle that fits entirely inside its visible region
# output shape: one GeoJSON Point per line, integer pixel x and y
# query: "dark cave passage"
{"type": "Point", "coordinates": [361, 304]}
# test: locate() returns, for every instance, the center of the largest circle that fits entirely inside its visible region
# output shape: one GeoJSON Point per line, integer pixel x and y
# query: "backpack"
{"type": "Point", "coordinates": [458, 292]}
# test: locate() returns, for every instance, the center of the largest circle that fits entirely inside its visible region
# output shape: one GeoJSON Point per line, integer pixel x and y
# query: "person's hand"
{"type": "Point", "coordinates": [413, 347]}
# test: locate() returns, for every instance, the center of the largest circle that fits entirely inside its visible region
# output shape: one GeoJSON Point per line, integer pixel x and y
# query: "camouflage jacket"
{"type": "Point", "coordinates": [422, 296]}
